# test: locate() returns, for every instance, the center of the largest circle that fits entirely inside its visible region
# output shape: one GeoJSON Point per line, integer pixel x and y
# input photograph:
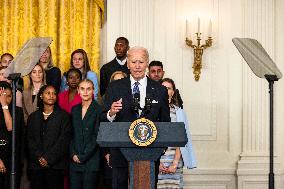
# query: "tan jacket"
{"type": "Point", "coordinates": [28, 105]}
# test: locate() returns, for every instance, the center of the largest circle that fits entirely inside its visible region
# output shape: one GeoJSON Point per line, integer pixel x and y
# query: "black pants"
{"type": "Point", "coordinates": [157, 164]}
{"type": "Point", "coordinates": [107, 176]}
{"type": "Point", "coordinates": [120, 178]}
{"type": "Point", "coordinates": [5, 180]}
{"type": "Point", "coordinates": [83, 180]}
{"type": "Point", "coordinates": [46, 179]}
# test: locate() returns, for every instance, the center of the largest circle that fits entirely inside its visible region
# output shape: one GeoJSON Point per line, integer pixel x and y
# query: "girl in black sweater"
{"type": "Point", "coordinates": [48, 136]}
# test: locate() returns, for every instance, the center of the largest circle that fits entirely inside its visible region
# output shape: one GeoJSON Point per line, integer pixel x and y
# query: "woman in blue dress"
{"type": "Point", "coordinates": [80, 61]}
{"type": "Point", "coordinates": [175, 158]}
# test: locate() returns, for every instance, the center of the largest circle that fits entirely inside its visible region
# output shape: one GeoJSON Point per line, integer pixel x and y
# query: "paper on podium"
{"type": "Point", "coordinates": [256, 57]}
{"type": "Point", "coordinates": [28, 56]}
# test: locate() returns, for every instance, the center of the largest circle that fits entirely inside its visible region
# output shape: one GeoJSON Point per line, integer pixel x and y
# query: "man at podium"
{"type": "Point", "coordinates": [124, 102]}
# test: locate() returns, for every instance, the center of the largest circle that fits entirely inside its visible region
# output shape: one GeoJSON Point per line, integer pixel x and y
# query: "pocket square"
{"type": "Point", "coordinates": [154, 101]}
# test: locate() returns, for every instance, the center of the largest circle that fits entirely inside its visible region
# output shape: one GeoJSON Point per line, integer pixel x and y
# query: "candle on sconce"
{"type": "Point", "coordinates": [198, 25]}
{"type": "Point", "coordinates": [197, 44]}
{"type": "Point", "coordinates": [187, 29]}
{"type": "Point", "coordinates": [210, 28]}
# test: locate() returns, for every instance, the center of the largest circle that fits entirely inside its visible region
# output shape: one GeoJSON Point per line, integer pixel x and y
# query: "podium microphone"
{"type": "Point", "coordinates": [147, 107]}
{"type": "Point", "coordinates": [148, 104]}
{"type": "Point", "coordinates": [136, 102]}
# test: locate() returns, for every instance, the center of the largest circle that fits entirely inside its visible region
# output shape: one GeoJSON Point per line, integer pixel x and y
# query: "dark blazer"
{"type": "Point", "coordinates": [84, 142]}
{"type": "Point", "coordinates": [107, 70]}
{"type": "Point", "coordinates": [122, 89]}
{"type": "Point", "coordinates": [6, 137]}
{"type": "Point", "coordinates": [53, 77]}
{"type": "Point", "coordinates": [49, 139]}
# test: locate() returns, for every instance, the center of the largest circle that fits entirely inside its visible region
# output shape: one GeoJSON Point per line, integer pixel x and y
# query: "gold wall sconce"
{"type": "Point", "coordinates": [198, 48]}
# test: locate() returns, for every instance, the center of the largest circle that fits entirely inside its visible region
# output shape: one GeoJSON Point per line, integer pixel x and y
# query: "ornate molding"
{"type": "Point", "coordinates": [258, 23]}
{"type": "Point", "coordinates": [210, 178]}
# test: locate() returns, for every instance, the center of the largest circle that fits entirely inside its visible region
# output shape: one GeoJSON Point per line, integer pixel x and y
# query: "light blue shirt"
{"type": "Point", "coordinates": [187, 152]}
{"type": "Point", "coordinates": [121, 62]}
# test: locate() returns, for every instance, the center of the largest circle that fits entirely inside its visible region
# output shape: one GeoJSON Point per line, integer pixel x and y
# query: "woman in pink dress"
{"type": "Point", "coordinates": [70, 97]}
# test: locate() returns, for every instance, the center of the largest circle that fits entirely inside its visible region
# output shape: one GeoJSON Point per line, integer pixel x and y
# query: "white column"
{"type": "Point", "coordinates": [253, 167]}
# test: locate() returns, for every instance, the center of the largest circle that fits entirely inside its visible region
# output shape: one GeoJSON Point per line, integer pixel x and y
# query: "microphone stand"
{"type": "Point", "coordinates": [271, 79]}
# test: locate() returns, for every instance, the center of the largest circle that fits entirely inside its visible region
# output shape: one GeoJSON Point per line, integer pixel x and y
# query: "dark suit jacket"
{"type": "Point", "coordinates": [84, 142]}
{"type": "Point", "coordinates": [53, 77]}
{"type": "Point", "coordinates": [107, 70]}
{"type": "Point", "coordinates": [49, 139]}
{"type": "Point", "coordinates": [122, 89]}
{"type": "Point", "coordinates": [6, 150]}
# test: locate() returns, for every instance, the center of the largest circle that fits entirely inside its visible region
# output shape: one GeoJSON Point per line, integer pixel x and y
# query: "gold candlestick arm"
{"type": "Point", "coordinates": [198, 52]}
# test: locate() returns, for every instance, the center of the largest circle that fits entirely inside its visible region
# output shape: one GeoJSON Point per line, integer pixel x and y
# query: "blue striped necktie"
{"type": "Point", "coordinates": [136, 94]}
{"type": "Point", "coordinates": [135, 89]}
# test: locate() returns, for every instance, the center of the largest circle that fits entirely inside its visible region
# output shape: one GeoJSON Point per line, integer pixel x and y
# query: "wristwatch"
{"type": "Point", "coordinates": [5, 107]}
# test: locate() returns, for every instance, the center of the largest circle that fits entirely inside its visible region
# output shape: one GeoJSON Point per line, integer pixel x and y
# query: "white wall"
{"type": "Point", "coordinates": [228, 108]}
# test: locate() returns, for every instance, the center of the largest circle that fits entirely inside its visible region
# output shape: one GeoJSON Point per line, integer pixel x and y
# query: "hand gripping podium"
{"type": "Point", "coordinates": [142, 166]}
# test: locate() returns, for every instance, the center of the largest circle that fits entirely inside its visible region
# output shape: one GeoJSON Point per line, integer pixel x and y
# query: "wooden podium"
{"type": "Point", "coordinates": [142, 159]}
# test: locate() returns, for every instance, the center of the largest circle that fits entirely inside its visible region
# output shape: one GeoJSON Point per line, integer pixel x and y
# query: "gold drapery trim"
{"type": "Point", "coordinates": [72, 24]}
{"type": "Point", "coordinates": [101, 4]}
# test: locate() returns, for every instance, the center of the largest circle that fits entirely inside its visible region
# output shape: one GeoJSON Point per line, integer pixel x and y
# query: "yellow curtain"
{"type": "Point", "coordinates": [72, 24]}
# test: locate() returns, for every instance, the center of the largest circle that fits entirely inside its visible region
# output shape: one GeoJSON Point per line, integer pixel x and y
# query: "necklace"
{"type": "Point", "coordinates": [47, 114]}
{"type": "Point", "coordinates": [35, 91]}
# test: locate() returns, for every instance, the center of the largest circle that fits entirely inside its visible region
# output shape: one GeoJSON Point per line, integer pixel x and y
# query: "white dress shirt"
{"type": "Point", "coordinates": [121, 62]}
{"type": "Point", "coordinates": [142, 88]}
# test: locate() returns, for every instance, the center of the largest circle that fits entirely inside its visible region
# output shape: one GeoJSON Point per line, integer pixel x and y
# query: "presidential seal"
{"type": "Point", "coordinates": [142, 132]}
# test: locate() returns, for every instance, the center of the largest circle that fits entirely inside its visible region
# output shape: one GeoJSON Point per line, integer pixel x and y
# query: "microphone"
{"type": "Point", "coordinates": [147, 107]}
{"type": "Point", "coordinates": [148, 104]}
{"type": "Point", "coordinates": [136, 102]}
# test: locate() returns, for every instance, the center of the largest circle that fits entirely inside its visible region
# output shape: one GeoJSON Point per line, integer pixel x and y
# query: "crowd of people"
{"type": "Point", "coordinates": [58, 118]}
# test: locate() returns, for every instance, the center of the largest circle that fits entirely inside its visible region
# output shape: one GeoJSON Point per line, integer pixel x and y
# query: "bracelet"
{"type": "Point", "coordinates": [175, 166]}
{"type": "Point", "coordinates": [5, 107]}
{"type": "Point", "coordinates": [175, 162]}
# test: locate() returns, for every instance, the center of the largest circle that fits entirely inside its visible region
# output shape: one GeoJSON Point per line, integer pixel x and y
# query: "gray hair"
{"type": "Point", "coordinates": [138, 48]}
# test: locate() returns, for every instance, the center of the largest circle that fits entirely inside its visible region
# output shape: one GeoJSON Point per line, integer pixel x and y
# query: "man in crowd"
{"type": "Point", "coordinates": [156, 73]}
{"type": "Point", "coordinates": [119, 105]}
{"type": "Point", "coordinates": [117, 64]}
{"type": "Point", "coordinates": [6, 59]}
{"type": "Point", "coordinates": [156, 70]}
